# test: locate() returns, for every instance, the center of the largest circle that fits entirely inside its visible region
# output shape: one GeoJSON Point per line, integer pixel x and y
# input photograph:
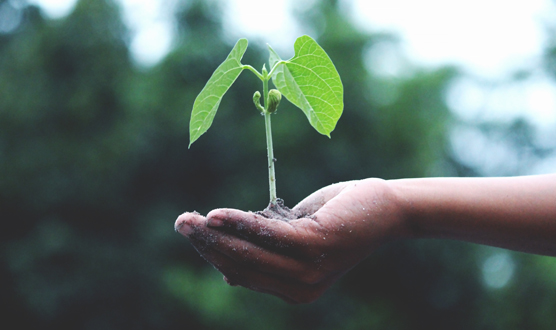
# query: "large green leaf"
{"type": "Point", "coordinates": [311, 82]}
{"type": "Point", "coordinates": [207, 102]}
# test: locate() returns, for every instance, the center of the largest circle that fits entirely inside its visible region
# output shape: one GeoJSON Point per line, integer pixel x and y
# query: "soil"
{"type": "Point", "coordinates": [279, 211]}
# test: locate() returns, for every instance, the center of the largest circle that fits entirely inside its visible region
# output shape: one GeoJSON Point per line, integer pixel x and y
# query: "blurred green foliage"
{"type": "Point", "coordinates": [95, 168]}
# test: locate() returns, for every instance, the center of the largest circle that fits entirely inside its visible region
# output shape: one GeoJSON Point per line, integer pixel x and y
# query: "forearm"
{"type": "Point", "coordinates": [517, 213]}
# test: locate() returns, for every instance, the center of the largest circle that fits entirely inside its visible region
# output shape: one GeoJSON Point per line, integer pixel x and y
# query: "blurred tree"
{"type": "Point", "coordinates": [61, 111]}
{"type": "Point", "coordinates": [67, 149]}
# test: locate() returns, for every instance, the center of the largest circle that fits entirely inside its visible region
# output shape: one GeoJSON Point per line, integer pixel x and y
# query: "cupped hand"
{"type": "Point", "coordinates": [298, 260]}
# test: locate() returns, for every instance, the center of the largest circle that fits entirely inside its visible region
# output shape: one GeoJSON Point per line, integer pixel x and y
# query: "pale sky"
{"type": "Point", "coordinates": [487, 36]}
{"type": "Point", "coordinates": [490, 39]}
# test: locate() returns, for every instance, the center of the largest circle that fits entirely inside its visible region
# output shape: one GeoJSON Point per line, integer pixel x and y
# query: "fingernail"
{"type": "Point", "coordinates": [215, 222]}
{"type": "Point", "coordinates": [183, 228]}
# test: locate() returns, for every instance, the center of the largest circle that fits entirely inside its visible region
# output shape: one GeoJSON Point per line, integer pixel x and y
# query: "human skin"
{"type": "Point", "coordinates": [299, 259]}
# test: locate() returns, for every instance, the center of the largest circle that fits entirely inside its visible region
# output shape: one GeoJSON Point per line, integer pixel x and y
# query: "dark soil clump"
{"type": "Point", "coordinates": [279, 211]}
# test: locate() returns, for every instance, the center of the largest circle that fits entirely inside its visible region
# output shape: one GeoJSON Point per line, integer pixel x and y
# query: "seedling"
{"type": "Point", "coordinates": [309, 80]}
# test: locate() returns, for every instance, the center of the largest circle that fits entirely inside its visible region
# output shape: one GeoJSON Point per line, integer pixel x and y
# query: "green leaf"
{"type": "Point", "coordinates": [311, 82]}
{"type": "Point", "coordinates": [207, 102]}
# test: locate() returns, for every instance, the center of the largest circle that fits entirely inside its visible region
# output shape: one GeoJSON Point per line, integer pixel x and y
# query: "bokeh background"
{"type": "Point", "coordinates": [94, 169]}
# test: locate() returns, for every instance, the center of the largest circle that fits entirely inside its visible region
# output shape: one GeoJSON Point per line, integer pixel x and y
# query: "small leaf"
{"type": "Point", "coordinates": [207, 102]}
{"type": "Point", "coordinates": [257, 101]}
{"type": "Point", "coordinates": [311, 82]}
{"type": "Point", "coordinates": [274, 97]}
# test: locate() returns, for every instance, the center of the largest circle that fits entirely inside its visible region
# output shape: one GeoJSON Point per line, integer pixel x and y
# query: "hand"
{"type": "Point", "coordinates": [298, 260]}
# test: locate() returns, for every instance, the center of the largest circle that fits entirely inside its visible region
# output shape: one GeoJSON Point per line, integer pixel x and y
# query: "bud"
{"type": "Point", "coordinates": [257, 102]}
{"type": "Point", "coordinates": [274, 97]}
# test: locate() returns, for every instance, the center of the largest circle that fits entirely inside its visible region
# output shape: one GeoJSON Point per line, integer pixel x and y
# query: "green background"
{"type": "Point", "coordinates": [94, 170]}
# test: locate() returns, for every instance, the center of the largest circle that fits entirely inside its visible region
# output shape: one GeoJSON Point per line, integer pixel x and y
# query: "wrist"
{"type": "Point", "coordinates": [401, 194]}
{"type": "Point", "coordinates": [391, 206]}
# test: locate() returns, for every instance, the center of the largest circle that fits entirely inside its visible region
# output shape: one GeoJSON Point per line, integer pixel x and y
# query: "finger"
{"type": "Point", "coordinates": [235, 276]}
{"type": "Point", "coordinates": [194, 227]}
{"type": "Point", "coordinates": [299, 267]}
{"type": "Point", "coordinates": [274, 293]}
{"type": "Point", "coordinates": [248, 254]}
{"type": "Point", "coordinates": [263, 231]}
{"type": "Point", "coordinates": [291, 291]}
{"type": "Point", "coordinates": [318, 199]}
{"type": "Point", "coordinates": [188, 222]}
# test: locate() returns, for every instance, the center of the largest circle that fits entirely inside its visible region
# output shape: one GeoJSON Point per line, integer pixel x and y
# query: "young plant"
{"type": "Point", "coordinates": [309, 80]}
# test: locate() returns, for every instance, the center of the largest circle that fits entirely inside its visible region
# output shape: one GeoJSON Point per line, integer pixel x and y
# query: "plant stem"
{"type": "Point", "coordinates": [269, 148]}
{"type": "Point", "coordinates": [252, 69]}
{"type": "Point", "coordinates": [270, 153]}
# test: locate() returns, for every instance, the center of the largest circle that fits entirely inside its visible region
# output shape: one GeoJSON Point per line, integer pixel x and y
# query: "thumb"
{"type": "Point", "coordinates": [314, 202]}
